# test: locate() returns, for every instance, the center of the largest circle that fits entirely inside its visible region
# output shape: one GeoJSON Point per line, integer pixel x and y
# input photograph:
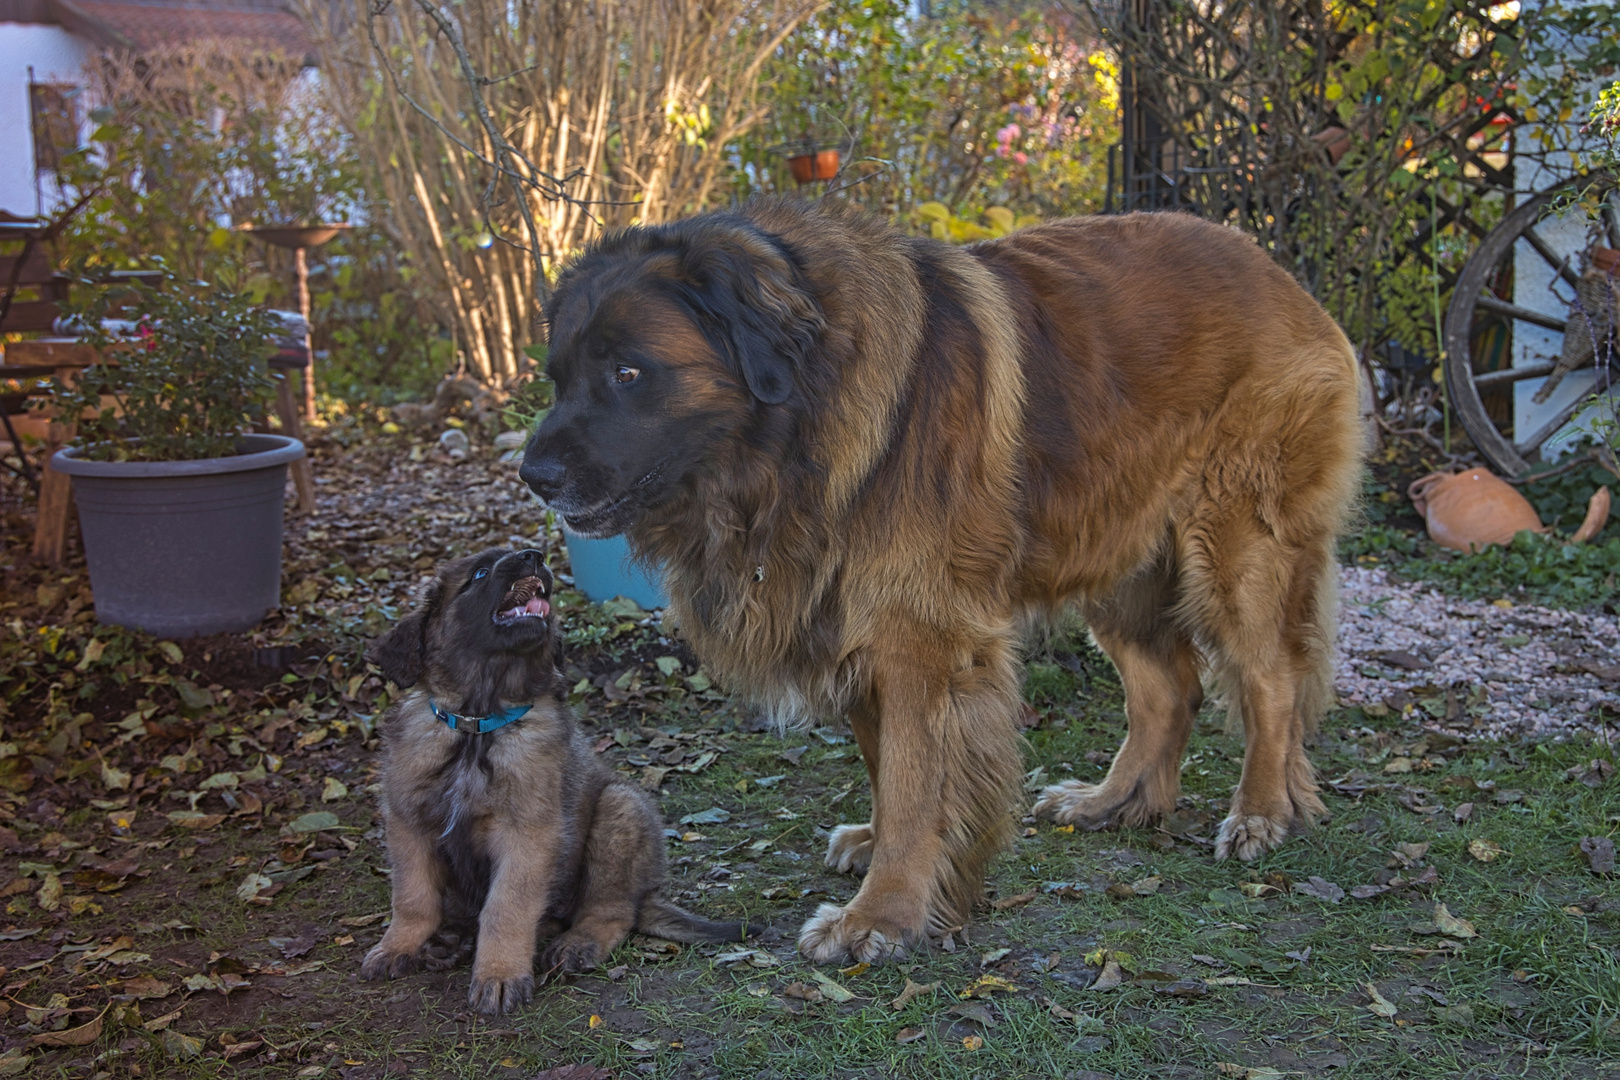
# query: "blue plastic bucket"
{"type": "Point", "coordinates": [603, 569]}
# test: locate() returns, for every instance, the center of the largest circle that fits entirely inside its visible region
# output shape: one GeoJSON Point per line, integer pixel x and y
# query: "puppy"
{"type": "Point", "coordinates": [500, 820]}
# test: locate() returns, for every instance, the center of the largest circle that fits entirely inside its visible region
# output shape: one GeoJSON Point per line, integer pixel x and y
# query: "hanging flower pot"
{"type": "Point", "coordinates": [814, 165]}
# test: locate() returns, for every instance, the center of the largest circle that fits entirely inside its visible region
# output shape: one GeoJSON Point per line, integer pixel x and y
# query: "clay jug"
{"type": "Point", "coordinates": [1466, 511]}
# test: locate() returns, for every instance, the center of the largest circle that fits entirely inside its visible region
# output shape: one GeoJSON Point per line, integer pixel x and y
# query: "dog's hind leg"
{"type": "Point", "coordinates": [418, 876]}
{"type": "Point", "coordinates": [1280, 672]}
{"type": "Point", "coordinates": [1159, 667]}
{"type": "Point", "coordinates": [849, 848]}
{"type": "Point", "coordinates": [624, 864]}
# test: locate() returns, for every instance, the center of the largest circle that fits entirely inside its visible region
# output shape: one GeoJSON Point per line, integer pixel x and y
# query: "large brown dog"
{"type": "Point", "coordinates": [867, 462]}
{"type": "Point", "coordinates": [502, 824]}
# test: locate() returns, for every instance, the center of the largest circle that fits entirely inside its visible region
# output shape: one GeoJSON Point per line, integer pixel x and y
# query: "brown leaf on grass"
{"type": "Point", "coordinates": [985, 985]}
{"type": "Point", "coordinates": [1463, 812]}
{"type": "Point", "coordinates": [237, 1049]}
{"type": "Point", "coordinates": [1379, 1005]}
{"type": "Point", "coordinates": [1111, 976]}
{"type": "Point", "coordinates": [574, 1072]}
{"type": "Point", "coordinates": [194, 819]}
{"type": "Point", "coordinates": [1592, 773]}
{"type": "Point", "coordinates": [1244, 1072]}
{"type": "Point", "coordinates": [144, 988]}
{"type": "Point", "coordinates": [912, 990]}
{"type": "Point", "coordinates": [1007, 903]}
{"type": "Point", "coordinates": [83, 1035]}
{"type": "Point", "coordinates": [908, 1035]}
{"type": "Point", "coordinates": [1320, 888]}
{"type": "Point", "coordinates": [799, 991]}
{"type": "Point", "coordinates": [976, 1011]}
{"type": "Point", "coordinates": [1449, 925]}
{"type": "Point", "coordinates": [1484, 850]}
{"type": "Point", "coordinates": [1599, 852]}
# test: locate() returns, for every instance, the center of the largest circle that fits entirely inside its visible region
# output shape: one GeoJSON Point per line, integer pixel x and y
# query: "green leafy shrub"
{"type": "Point", "coordinates": [1542, 569]}
{"type": "Point", "coordinates": [1561, 501]}
{"type": "Point", "coordinates": [187, 374]}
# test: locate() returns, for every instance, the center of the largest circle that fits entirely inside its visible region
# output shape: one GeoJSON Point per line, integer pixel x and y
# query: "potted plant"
{"type": "Point", "coordinates": [180, 505]}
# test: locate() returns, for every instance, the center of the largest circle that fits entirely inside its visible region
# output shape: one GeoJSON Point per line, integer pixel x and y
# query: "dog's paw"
{"type": "Point", "coordinates": [1074, 802]}
{"type": "Point", "coordinates": [569, 955]}
{"type": "Point", "coordinates": [444, 950]}
{"type": "Point", "coordinates": [384, 963]}
{"type": "Point", "coordinates": [849, 849]}
{"type": "Point", "coordinates": [492, 995]}
{"type": "Point", "coordinates": [1248, 836]}
{"type": "Point", "coordinates": [835, 934]}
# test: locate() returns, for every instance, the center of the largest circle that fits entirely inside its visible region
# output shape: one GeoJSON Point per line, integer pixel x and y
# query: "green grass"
{"type": "Point", "coordinates": [1540, 984]}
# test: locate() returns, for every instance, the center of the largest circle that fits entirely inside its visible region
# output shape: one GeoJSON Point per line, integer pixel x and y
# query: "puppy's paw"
{"type": "Point", "coordinates": [571, 954]}
{"type": "Point", "coordinates": [492, 995]}
{"type": "Point", "coordinates": [1248, 836]}
{"type": "Point", "coordinates": [835, 934]}
{"type": "Point", "coordinates": [849, 849]}
{"type": "Point", "coordinates": [444, 950]}
{"type": "Point", "coordinates": [384, 963]}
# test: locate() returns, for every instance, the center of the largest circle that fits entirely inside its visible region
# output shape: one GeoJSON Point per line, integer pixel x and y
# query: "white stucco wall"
{"type": "Point", "coordinates": [56, 57]}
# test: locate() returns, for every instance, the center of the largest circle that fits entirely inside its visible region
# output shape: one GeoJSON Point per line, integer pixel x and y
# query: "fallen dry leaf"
{"type": "Point", "coordinates": [1484, 850]}
{"type": "Point", "coordinates": [912, 990]}
{"type": "Point", "coordinates": [801, 992]}
{"type": "Point", "coordinates": [985, 985]}
{"type": "Point", "coordinates": [83, 1035]}
{"type": "Point", "coordinates": [972, 1042]}
{"type": "Point", "coordinates": [1599, 852]}
{"type": "Point", "coordinates": [1007, 903]}
{"type": "Point", "coordinates": [1450, 925]}
{"type": "Point", "coordinates": [574, 1072]}
{"type": "Point", "coordinates": [1380, 1006]}
{"type": "Point", "coordinates": [908, 1035]}
{"type": "Point", "coordinates": [1110, 977]}
{"type": "Point", "coordinates": [1320, 888]}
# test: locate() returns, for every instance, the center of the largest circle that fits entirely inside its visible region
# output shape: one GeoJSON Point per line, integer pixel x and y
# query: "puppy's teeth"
{"type": "Point", "coordinates": [537, 606]}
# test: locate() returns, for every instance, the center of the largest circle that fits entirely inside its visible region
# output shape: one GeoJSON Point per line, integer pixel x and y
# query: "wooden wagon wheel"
{"type": "Point", "coordinates": [1476, 297]}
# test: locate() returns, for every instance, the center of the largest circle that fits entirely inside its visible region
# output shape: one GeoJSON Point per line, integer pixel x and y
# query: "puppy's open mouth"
{"type": "Point", "coordinates": [523, 601]}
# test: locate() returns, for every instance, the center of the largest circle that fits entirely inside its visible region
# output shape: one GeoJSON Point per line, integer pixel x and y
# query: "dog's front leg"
{"type": "Point", "coordinates": [947, 774]}
{"type": "Point", "coordinates": [524, 856]}
{"type": "Point", "coordinates": [418, 877]}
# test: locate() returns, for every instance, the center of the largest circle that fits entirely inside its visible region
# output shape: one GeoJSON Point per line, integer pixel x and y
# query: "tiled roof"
{"type": "Point", "coordinates": [147, 24]}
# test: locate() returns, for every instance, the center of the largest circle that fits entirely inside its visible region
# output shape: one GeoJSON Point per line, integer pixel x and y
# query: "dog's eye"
{"type": "Point", "coordinates": [481, 572]}
{"type": "Point", "coordinates": [626, 374]}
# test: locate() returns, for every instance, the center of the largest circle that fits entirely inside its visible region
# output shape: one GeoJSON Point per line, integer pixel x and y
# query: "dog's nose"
{"type": "Point", "coordinates": [544, 475]}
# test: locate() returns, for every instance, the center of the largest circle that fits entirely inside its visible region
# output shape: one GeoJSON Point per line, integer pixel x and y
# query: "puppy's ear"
{"type": "Point", "coordinates": [758, 311]}
{"type": "Point", "coordinates": [399, 653]}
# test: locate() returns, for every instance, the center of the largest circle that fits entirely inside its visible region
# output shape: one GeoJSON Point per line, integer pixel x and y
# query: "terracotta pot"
{"type": "Point", "coordinates": [1466, 511]}
{"type": "Point", "coordinates": [821, 165]}
{"type": "Point", "coordinates": [1597, 515]}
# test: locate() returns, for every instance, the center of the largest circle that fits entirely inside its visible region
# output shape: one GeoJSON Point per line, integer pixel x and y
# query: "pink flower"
{"type": "Point", "coordinates": [1021, 157]}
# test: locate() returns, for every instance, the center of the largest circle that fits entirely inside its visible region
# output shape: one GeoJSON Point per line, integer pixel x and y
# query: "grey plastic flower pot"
{"type": "Point", "coordinates": [184, 548]}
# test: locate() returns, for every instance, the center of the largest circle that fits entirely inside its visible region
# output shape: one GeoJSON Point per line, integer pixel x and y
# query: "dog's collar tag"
{"type": "Point", "coordinates": [479, 725]}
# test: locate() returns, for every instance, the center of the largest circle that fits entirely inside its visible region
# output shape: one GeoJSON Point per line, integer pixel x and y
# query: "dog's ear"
{"type": "Point", "coordinates": [399, 653]}
{"type": "Point", "coordinates": [756, 308]}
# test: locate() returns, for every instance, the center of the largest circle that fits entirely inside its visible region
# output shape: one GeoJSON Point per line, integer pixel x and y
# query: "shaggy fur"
{"type": "Point", "coordinates": [514, 833]}
{"type": "Point", "coordinates": [869, 462]}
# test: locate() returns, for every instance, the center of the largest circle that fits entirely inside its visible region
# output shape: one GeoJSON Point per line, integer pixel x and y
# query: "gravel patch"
{"type": "Point", "coordinates": [1493, 670]}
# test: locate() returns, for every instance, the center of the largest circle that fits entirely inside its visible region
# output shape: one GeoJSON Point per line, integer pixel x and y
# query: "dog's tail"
{"type": "Point", "coordinates": [662, 919]}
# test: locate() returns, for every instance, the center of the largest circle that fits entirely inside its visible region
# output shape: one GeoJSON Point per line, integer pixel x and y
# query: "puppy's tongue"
{"type": "Point", "coordinates": [538, 606]}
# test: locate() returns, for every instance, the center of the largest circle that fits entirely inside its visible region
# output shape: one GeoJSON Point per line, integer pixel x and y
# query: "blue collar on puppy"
{"type": "Point", "coordinates": [480, 725]}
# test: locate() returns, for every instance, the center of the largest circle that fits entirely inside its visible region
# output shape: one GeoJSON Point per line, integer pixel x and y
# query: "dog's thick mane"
{"type": "Point", "coordinates": [761, 554]}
